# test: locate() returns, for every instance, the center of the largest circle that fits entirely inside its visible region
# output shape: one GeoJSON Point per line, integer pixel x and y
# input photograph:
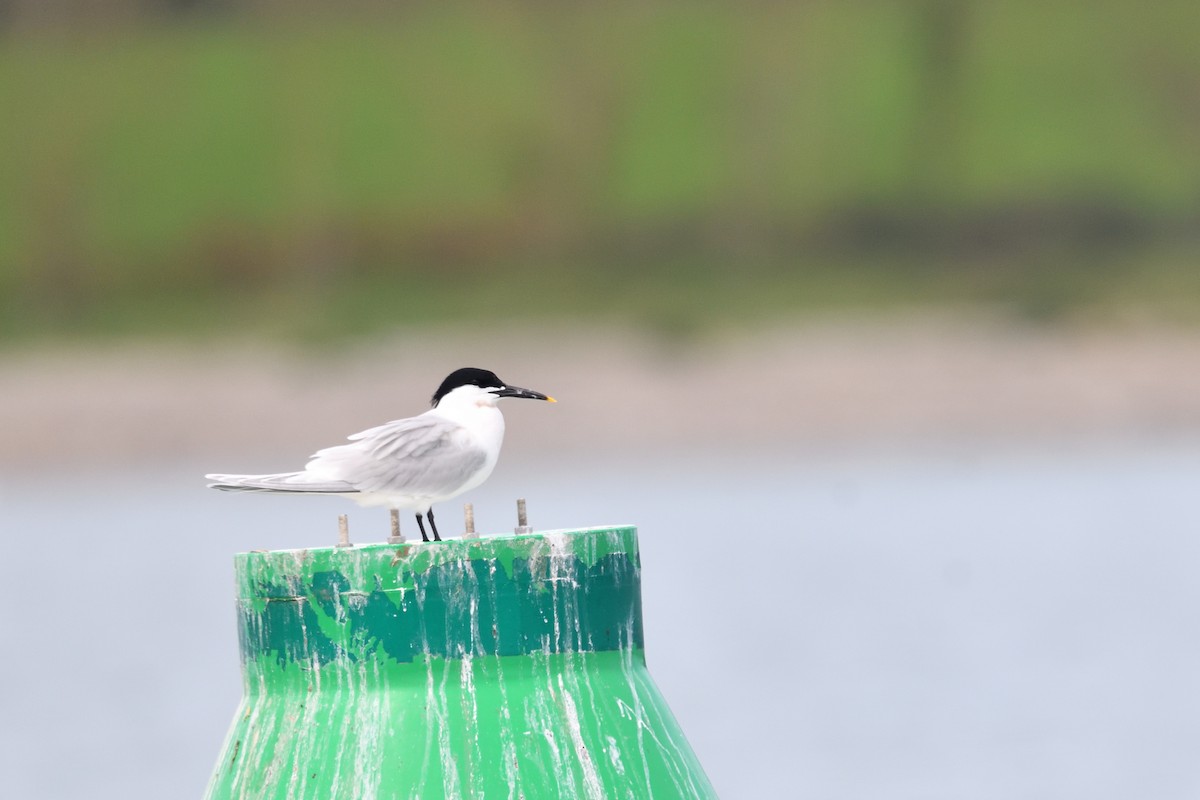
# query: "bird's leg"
{"type": "Point", "coordinates": [421, 525]}
{"type": "Point", "coordinates": [433, 525]}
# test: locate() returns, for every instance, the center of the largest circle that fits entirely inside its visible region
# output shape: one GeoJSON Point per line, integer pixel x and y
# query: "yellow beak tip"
{"type": "Point", "coordinates": [551, 400]}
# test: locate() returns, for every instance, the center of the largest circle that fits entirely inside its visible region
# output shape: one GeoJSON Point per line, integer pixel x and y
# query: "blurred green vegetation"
{"type": "Point", "coordinates": [671, 164]}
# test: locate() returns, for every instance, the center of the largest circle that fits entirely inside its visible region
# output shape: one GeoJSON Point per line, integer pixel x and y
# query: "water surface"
{"type": "Point", "coordinates": [966, 623]}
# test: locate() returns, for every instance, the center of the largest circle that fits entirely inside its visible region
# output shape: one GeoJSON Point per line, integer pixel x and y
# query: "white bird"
{"type": "Point", "coordinates": [408, 463]}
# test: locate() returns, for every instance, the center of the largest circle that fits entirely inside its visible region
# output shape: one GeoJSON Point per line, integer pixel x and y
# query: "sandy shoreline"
{"type": "Point", "coordinates": [835, 383]}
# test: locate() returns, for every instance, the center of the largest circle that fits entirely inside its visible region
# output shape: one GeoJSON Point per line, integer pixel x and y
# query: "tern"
{"type": "Point", "coordinates": [408, 463]}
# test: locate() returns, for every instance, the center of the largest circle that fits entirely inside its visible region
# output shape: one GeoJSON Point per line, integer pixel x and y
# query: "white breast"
{"type": "Point", "coordinates": [482, 425]}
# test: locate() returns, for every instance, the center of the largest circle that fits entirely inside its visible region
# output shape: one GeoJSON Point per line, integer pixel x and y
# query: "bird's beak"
{"type": "Point", "coordinates": [517, 391]}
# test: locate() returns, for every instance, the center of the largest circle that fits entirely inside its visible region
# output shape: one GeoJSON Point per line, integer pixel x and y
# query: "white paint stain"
{"type": "Point", "coordinates": [614, 755]}
{"type": "Point", "coordinates": [591, 781]}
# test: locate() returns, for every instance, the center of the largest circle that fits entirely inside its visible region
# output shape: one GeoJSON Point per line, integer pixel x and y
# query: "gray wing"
{"type": "Point", "coordinates": [425, 455]}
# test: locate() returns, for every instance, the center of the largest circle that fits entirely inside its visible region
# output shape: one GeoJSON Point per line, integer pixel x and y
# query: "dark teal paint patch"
{"type": "Point", "coordinates": [457, 608]}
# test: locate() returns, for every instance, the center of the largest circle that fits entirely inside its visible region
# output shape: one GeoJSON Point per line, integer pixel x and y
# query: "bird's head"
{"type": "Point", "coordinates": [483, 386]}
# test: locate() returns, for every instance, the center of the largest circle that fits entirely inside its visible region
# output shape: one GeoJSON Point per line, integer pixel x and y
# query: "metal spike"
{"type": "Point", "coordinates": [343, 531]}
{"type": "Point", "coordinates": [397, 537]}
{"type": "Point", "coordinates": [469, 513]}
{"type": "Point", "coordinates": [522, 518]}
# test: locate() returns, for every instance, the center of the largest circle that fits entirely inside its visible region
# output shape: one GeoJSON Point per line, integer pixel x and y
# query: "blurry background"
{"type": "Point", "coordinates": [880, 319]}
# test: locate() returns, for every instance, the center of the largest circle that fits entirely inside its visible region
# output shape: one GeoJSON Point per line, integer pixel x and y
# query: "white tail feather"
{"type": "Point", "coordinates": [279, 482]}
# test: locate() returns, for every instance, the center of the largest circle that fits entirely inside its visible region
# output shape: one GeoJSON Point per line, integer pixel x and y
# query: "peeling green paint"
{"type": "Point", "coordinates": [503, 667]}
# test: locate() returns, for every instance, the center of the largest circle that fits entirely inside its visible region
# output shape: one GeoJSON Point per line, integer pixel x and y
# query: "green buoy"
{"type": "Point", "coordinates": [502, 667]}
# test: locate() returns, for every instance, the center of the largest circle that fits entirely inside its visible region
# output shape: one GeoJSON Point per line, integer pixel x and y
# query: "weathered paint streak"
{"type": "Point", "coordinates": [502, 667]}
